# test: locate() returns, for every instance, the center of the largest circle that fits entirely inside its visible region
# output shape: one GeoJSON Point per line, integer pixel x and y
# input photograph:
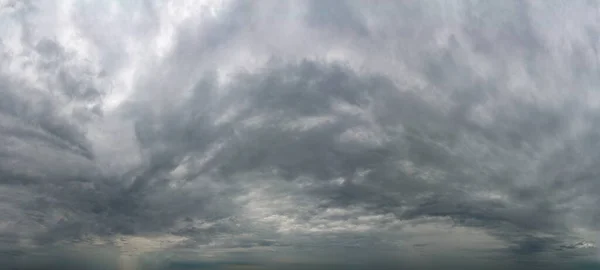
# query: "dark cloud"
{"type": "Point", "coordinates": [314, 132]}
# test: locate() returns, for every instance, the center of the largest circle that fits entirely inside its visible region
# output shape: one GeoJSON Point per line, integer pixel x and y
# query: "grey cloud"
{"type": "Point", "coordinates": [439, 112]}
{"type": "Point", "coordinates": [340, 16]}
{"type": "Point", "coordinates": [318, 154]}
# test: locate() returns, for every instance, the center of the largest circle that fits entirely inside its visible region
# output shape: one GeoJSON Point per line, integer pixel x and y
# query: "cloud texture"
{"type": "Point", "coordinates": [322, 132]}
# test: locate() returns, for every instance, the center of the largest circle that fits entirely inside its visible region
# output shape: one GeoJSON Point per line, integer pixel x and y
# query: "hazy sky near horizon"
{"type": "Point", "coordinates": [401, 133]}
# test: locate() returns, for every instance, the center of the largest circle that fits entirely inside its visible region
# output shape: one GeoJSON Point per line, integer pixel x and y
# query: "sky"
{"type": "Point", "coordinates": [309, 134]}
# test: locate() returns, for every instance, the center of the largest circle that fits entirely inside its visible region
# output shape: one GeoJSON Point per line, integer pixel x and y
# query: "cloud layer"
{"type": "Point", "coordinates": [302, 131]}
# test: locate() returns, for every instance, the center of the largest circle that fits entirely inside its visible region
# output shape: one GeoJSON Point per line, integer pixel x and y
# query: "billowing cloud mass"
{"type": "Point", "coordinates": [300, 134]}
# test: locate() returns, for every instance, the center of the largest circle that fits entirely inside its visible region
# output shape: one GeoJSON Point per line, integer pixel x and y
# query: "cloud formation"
{"type": "Point", "coordinates": [302, 131]}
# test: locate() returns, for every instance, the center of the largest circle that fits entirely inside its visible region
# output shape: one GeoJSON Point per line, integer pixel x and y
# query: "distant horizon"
{"type": "Point", "coordinates": [102, 258]}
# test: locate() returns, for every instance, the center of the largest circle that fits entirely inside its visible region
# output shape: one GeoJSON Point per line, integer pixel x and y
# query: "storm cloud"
{"type": "Point", "coordinates": [302, 133]}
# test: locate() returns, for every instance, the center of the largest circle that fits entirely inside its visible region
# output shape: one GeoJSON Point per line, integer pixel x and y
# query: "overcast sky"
{"type": "Point", "coordinates": [400, 134]}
